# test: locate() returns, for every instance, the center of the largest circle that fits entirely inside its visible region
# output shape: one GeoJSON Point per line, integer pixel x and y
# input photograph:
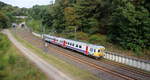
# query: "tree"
{"type": "Point", "coordinates": [58, 15]}
{"type": "Point", "coordinates": [130, 26]}
{"type": "Point", "coordinates": [85, 10]}
{"type": "Point", "coordinates": [3, 20]}
{"type": "Point", "coordinates": [70, 18]}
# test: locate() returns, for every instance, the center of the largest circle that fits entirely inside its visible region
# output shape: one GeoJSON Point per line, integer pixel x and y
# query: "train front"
{"type": "Point", "coordinates": [99, 53]}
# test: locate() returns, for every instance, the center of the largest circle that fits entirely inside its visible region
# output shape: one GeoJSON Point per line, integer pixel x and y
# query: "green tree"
{"type": "Point", "coordinates": [58, 15]}
{"type": "Point", "coordinates": [3, 20]}
{"type": "Point", "coordinates": [130, 26]}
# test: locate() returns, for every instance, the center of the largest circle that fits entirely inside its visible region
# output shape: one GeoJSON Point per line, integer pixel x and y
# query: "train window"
{"type": "Point", "coordinates": [91, 49]}
{"type": "Point", "coordinates": [99, 50]}
{"type": "Point", "coordinates": [80, 46]}
{"type": "Point", "coordinates": [72, 44]}
{"type": "Point", "coordinates": [77, 45]}
{"type": "Point", "coordinates": [94, 50]}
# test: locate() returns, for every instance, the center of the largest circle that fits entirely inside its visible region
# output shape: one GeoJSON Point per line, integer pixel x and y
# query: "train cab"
{"type": "Point", "coordinates": [99, 52]}
{"type": "Point", "coordinates": [96, 51]}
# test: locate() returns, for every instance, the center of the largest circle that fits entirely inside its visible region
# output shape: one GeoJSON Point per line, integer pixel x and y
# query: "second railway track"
{"type": "Point", "coordinates": [125, 67]}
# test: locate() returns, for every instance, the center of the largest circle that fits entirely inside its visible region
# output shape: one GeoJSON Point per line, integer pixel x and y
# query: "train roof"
{"type": "Point", "coordinates": [92, 45]}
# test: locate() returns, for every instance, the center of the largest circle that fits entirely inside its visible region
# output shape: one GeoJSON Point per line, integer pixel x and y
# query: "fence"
{"type": "Point", "coordinates": [134, 62]}
{"type": "Point", "coordinates": [35, 34]}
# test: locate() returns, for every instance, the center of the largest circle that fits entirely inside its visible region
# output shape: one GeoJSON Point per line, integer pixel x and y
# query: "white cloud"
{"type": "Point", "coordinates": [26, 3]}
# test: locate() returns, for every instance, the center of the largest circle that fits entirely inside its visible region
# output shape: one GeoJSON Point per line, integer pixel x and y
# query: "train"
{"type": "Point", "coordinates": [82, 47]}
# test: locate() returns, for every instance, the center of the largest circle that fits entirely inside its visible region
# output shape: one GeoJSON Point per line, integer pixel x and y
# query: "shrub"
{"type": "Point", "coordinates": [1, 66]}
{"type": "Point", "coordinates": [34, 24]}
{"type": "Point", "coordinates": [98, 39]}
{"type": "Point", "coordinates": [4, 20]}
{"type": "Point", "coordinates": [4, 43]}
{"type": "Point", "coordinates": [82, 36]}
{"type": "Point", "coordinates": [11, 59]}
{"type": "Point", "coordinates": [70, 36]}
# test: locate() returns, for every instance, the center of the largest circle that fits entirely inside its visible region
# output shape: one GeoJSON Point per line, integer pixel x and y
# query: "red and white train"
{"type": "Point", "coordinates": [85, 48]}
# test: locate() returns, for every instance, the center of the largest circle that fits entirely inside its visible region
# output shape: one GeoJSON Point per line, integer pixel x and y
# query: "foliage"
{"type": "Point", "coordinates": [14, 66]}
{"type": "Point", "coordinates": [35, 24]}
{"type": "Point", "coordinates": [7, 13]}
{"type": "Point", "coordinates": [82, 36]}
{"type": "Point", "coordinates": [97, 39]}
{"type": "Point", "coordinates": [3, 20]}
{"type": "Point", "coordinates": [36, 12]}
{"type": "Point", "coordinates": [4, 43]}
{"type": "Point", "coordinates": [130, 26]}
{"type": "Point", "coordinates": [124, 22]}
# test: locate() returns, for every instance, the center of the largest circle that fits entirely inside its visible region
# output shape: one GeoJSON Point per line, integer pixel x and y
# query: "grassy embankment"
{"type": "Point", "coordinates": [69, 69]}
{"type": "Point", "coordinates": [13, 65]}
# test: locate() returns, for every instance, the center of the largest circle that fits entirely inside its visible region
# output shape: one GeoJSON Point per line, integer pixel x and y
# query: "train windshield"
{"type": "Point", "coordinates": [99, 50]}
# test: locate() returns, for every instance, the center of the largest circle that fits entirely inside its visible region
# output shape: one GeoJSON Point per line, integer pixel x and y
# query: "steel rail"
{"type": "Point", "coordinates": [100, 68]}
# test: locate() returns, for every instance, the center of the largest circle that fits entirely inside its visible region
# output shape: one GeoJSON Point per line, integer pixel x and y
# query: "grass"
{"type": "Point", "coordinates": [13, 65]}
{"type": "Point", "coordinates": [65, 67]}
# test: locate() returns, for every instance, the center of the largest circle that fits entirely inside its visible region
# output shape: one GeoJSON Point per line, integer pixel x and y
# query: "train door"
{"type": "Point", "coordinates": [64, 43]}
{"type": "Point", "coordinates": [54, 41]}
{"type": "Point", "coordinates": [86, 50]}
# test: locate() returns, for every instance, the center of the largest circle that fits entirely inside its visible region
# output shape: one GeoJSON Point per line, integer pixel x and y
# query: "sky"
{"type": "Point", "coordinates": [27, 3]}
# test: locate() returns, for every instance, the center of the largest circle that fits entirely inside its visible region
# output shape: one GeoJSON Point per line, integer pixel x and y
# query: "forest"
{"type": "Point", "coordinates": [122, 24]}
{"type": "Point", "coordinates": [125, 23]}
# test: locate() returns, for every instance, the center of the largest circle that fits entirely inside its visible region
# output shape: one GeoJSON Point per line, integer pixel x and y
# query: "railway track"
{"type": "Point", "coordinates": [94, 65]}
{"type": "Point", "coordinates": [131, 69]}
{"type": "Point", "coordinates": [100, 68]}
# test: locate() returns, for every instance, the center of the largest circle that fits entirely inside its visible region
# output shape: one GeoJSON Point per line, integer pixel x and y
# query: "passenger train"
{"type": "Point", "coordinates": [85, 48]}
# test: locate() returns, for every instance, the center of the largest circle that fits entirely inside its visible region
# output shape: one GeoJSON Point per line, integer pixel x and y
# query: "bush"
{"type": "Point", "coordinates": [4, 43]}
{"type": "Point", "coordinates": [70, 36]}
{"type": "Point", "coordinates": [1, 66]}
{"type": "Point", "coordinates": [98, 39]}
{"type": "Point", "coordinates": [34, 24]}
{"type": "Point", "coordinates": [4, 20]}
{"type": "Point", "coordinates": [82, 36]}
{"type": "Point", "coordinates": [11, 59]}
